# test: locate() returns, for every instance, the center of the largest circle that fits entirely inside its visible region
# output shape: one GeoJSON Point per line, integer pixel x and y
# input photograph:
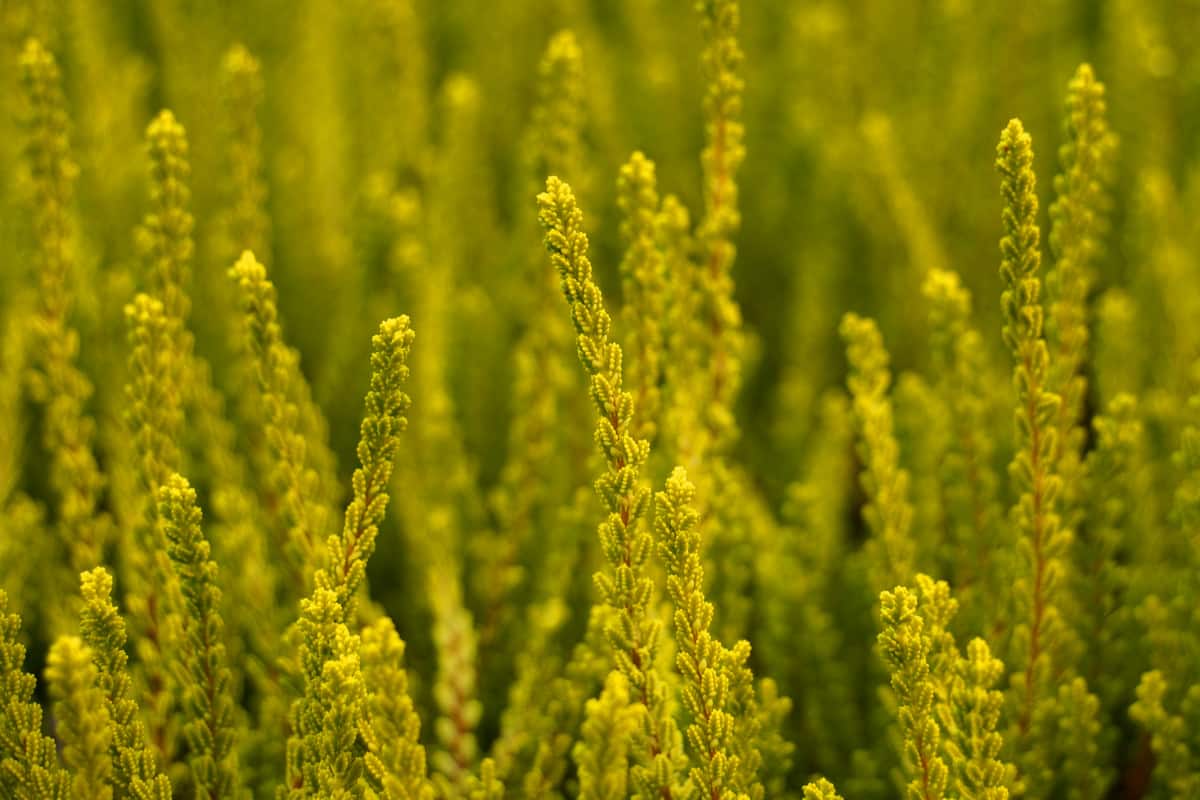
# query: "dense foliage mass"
{"type": "Point", "coordinates": [709, 449]}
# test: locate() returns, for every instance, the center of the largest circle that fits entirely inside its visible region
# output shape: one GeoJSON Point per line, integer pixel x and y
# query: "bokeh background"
{"type": "Point", "coordinates": [870, 129]}
{"type": "Point", "coordinates": [870, 136]}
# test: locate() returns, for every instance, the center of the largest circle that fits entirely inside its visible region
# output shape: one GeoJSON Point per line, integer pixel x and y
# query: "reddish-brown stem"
{"type": "Point", "coordinates": [635, 655]}
{"type": "Point", "coordinates": [1036, 490]}
{"type": "Point", "coordinates": [351, 546]}
{"type": "Point", "coordinates": [210, 688]}
{"type": "Point", "coordinates": [716, 255]}
{"type": "Point", "coordinates": [924, 774]}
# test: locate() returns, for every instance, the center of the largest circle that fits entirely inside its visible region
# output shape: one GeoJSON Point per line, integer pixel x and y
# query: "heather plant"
{"type": "Point", "coordinates": [417, 400]}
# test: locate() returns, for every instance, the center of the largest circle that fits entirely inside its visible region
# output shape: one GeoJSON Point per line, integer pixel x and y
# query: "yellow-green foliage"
{"type": "Point", "coordinates": [626, 586]}
{"type": "Point", "coordinates": [204, 677]}
{"type": "Point", "coordinates": [29, 765]}
{"type": "Point", "coordinates": [57, 382]}
{"type": "Point", "coordinates": [602, 753]}
{"type": "Point", "coordinates": [906, 647]}
{"type": "Point", "coordinates": [396, 758]}
{"type": "Point", "coordinates": [841, 505]}
{"type": "Point", "coordinates": [323, 753]}
{"type": "Point", "coordinates": [707, 668]}
{"type": "Point", "coordinates": [293, 481]}
{"type": "Point", "coordinates": [134, 764]}
{"type": "Point", "coordinates": [85, 728]}
{"type": "Point", "coordinates": [888, 511]}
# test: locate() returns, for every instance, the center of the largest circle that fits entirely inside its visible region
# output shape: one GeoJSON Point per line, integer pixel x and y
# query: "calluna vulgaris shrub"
{"type": "Point", "coordinates": [605, 525]}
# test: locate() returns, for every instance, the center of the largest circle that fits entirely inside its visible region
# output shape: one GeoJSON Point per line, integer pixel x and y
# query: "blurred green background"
{"type": "Point", "coordinates": [871, 128]}
{"type": "Point", "coordinates": [870, 136]}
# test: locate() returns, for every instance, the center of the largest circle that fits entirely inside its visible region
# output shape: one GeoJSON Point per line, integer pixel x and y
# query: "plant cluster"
{"type": "Point", "coordinates": [590, 519]}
